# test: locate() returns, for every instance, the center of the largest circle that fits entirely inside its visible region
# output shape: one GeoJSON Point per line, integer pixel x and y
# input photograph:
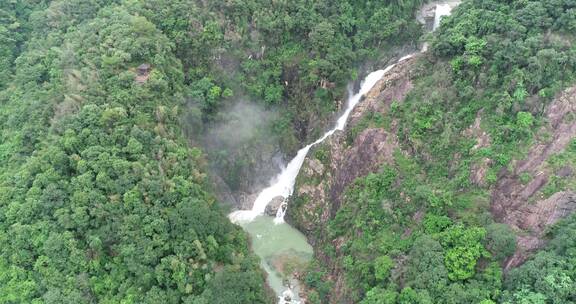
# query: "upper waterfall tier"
{"type": "Point", "coordinates": [283, 184]}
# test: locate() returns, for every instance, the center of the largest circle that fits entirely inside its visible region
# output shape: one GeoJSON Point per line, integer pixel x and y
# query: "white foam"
{"type": "Point", "coordinates": [441, 11]}
{"type": "Point", "coordinates": [283, 183]}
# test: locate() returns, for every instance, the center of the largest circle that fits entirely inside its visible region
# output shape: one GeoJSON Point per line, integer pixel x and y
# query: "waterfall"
{"type": "Point", "coordinates": [280, 213]}
{"type": "Point", "coordinates": [283, 184]}
{"type": "Point", "coordinates": [441, 11]}
{"type": "Point", "coordinates": [286, 298]}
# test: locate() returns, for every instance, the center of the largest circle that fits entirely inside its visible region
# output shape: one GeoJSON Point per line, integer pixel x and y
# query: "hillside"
{"type": "Point", "coordinates": [454, 169]}
{"type": "Point", "coordinates": [107, 107]}
{"type": "Point", "coordinates": [102, 200]}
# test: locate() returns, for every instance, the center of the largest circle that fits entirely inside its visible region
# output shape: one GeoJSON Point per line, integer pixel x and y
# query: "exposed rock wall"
{"type": "Point", "coordinates": [330, 167]}
{"type": "Point", "coordinates": [321, 182]}
{"type": "Point", "coordinates": [523, 205]}
{"type": "Point", "coordinates": [335, 164]}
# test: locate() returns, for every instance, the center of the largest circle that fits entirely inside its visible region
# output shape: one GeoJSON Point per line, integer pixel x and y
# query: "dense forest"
{"type": "Point", "coordinates": [102, 199]}
{"type": "Point", "coordinates": [104, 196]}
{"type": "Point", "coordinates": [106, 186]}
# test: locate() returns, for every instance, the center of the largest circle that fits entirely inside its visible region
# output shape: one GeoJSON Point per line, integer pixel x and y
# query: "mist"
{"type": "Point", "coordinates": [238, 125]}
{"type": "Point", "coordinates": [242, 150]}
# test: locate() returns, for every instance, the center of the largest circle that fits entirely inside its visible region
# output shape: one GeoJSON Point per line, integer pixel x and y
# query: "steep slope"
{"type": "Point", "coordinates": [101, 198]}
{"type": "Point", "coordinates": [540, 190]}
{"type": "Point", "coordinates": [291, 60]}
{"type": "Point", "coordinates": [453, 169]}
{"type": "Point", "coordinates": [529, 206]}
{"type": "Point", "coordinates": [338, 162]}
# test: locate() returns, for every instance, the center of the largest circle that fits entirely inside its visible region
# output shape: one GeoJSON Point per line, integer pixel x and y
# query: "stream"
{"type": "Point", "coordinates": [283, 250]}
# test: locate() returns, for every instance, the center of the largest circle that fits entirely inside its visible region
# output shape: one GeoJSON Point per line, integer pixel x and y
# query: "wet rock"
{"type": "Point", "coordinates": [287, 297]}
{"type": "Point", "coordinates": [427, 13]}
{"type": "Point", "coordinates": [320, 186]}
{"type": "Point", "coordinates": [426, 16]}
{"type": "Point", "coordinates": [274, 205]}
{"type": "Point", "coordinates": [393, 87]}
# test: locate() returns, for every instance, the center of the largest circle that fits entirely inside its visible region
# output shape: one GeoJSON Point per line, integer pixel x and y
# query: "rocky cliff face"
{"type": "Point", "coordinates": [518, 198]}
{"type": "Point", "coordinates": [365, 146]}
{"type": "Point", "coordinates": [341, 159]}
{"type": "Point", "coordinates": [332, 166]}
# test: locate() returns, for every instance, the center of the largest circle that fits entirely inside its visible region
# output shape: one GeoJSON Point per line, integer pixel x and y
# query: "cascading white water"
{"type": "Point", "coordinates": [442, 10]}
{"type": "Point", "coordinates": [280, 213]}
{"type": "Point", "coordinates": [283, 184]}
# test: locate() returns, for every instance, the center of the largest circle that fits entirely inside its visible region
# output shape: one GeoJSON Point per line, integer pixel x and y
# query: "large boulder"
{"type": "Point", "coordinates": [274, 205]}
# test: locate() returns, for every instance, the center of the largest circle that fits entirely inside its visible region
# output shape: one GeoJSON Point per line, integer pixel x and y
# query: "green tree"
{"type": "Point", "coordinates": [463, 249]}
{"type": "Point", "coordinates": [378, 295]}
{"type": "Point", "coordinates": [382, 267]}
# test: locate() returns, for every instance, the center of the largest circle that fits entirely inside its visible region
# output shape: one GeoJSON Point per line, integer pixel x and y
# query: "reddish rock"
{"type": "Point", "coordinates": [522, 206]}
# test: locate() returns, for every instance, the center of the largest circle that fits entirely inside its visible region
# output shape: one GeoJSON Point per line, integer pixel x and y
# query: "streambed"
{"type": "Point", "coordinates": [283, 251]}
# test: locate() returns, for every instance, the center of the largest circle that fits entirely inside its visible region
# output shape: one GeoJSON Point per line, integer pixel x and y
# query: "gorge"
{"type": "Point", "coordinates": [283, 186]}
{"type": "Point", "coordinates": [243, 152]}
{"type": "Point", "coordinates": [284, 242]}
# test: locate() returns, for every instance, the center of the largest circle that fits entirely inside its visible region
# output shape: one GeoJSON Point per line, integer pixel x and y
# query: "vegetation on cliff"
{"type": "Point", "coordinates": [104, 197]}
{"type": "Point", "coordinates": [420, 229]}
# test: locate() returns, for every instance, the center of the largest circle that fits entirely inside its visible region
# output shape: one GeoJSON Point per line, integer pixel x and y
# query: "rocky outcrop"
{"type": "Point", "coordinates": [246, 200]}
{"type": "Point", "coordinates": [274, 205]}
{"type": "Point", "coordinates": [479, 169]}
{"type": "Point", "coordinates": [322, 186]}
{"type": "Point", "coordinates": [517, 199]}
{"type": "Point", "coordinates": [371, 149]}
{"type": "Point", "coordinates": [394, 86]}
{"type": "Point", "coordinates": [321, 183]}
{"type": "Point", "coordinates": [427, 13]}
